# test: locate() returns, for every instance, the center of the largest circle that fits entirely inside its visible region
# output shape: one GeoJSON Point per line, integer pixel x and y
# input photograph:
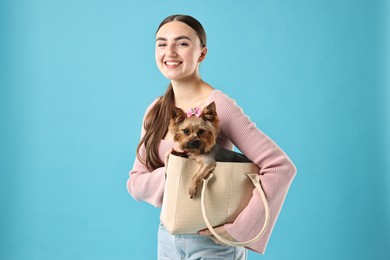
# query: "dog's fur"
{"type": "Point", "coordinates": [197, 138]}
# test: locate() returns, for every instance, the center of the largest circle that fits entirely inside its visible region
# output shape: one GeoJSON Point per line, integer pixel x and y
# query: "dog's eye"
{"type": "Point", "coordinates": [200, 132]}
{"type": "Point", "coordinates": [186, 131]}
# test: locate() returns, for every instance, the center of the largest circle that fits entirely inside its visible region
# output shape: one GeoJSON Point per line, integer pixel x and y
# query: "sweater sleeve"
{"type": "Point", "coordinates": [144, 185]}
{"type": "Point", "coordinates": [276, 172]}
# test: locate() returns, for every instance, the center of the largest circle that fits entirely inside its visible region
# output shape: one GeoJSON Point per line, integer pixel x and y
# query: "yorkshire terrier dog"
{"type": "Point", "coordinates": [196, 133]}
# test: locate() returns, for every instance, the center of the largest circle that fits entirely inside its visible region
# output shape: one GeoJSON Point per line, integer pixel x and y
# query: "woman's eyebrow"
{"type": "Point", "coordinates": [176, 39]}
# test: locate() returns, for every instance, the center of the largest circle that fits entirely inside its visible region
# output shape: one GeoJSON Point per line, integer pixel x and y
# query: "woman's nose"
{"type": "Point", "coordinates": [171, 51]}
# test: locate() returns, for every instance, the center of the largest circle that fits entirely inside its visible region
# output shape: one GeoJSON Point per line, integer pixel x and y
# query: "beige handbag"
{"type": "Point", "coordinates": [225, 193]}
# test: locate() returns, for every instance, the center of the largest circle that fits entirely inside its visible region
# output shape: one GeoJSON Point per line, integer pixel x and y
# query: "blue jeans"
{"type": "Point", "coordinates": [194, 247]}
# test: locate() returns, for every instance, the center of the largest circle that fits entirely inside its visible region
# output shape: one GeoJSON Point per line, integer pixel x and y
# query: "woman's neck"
{"type": "Point", "coordinates": [186, 89]}
{"type": "Point", "coordinates": [190, 93]}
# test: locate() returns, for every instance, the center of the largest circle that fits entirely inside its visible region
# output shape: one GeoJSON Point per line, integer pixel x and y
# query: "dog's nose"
{"type": "Point", "coordinates": [194, 144]}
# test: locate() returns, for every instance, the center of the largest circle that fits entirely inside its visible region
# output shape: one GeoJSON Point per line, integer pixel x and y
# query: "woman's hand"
{"type": "Point", "coordinates": [221, 231]}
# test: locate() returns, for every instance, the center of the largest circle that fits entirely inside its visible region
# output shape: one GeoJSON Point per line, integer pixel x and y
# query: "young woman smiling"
{"type": "Point", "coordinates": [180, 49]}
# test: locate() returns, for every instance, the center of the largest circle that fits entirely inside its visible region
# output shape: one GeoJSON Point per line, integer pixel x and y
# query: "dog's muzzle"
{"type": "Point", "coordinates": [194, 144]}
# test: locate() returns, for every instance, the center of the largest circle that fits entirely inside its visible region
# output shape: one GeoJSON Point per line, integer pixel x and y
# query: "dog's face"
{"type": "Point", "coordinates": [196, 133]}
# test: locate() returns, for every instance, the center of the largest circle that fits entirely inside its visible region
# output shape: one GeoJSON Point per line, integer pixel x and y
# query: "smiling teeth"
{"type": "Point", "coordinates": [172, 63]}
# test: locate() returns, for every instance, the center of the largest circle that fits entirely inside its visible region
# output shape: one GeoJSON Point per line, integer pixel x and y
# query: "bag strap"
{"type": "Point", "coordinates": [255, 178]}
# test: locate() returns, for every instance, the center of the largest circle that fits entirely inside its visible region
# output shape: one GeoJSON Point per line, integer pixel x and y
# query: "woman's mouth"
{"type": "Point", "coordinates": [172, 63]}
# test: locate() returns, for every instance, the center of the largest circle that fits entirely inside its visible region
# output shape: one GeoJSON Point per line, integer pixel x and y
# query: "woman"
{"type": "Point", "coordinates": [180, 48]}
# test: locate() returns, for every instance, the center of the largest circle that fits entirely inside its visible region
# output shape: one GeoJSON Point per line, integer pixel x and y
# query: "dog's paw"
{"type": "Point", "coordinates": [192, 191]}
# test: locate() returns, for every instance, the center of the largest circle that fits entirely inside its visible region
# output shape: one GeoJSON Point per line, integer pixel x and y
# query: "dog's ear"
{"type": "Point", "coordinates": [177, 115]}
{"type": "Point", "coordinates": [209, 113]}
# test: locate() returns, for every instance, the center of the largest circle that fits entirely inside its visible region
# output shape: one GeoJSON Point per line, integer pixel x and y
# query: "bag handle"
{"type": "Point", "coordinates": [255, 178]}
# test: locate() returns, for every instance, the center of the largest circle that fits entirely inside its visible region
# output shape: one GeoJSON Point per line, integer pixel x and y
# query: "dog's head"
{"type": "Point", "coordinates": [196, 131]}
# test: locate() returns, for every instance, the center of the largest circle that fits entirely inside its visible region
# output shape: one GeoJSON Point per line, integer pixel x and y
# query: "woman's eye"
{"type": "Point", "coordinates": [186, 131]}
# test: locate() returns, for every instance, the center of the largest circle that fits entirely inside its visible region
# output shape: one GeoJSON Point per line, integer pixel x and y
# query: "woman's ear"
{"type": "Point", "coordinates": [203, 54]}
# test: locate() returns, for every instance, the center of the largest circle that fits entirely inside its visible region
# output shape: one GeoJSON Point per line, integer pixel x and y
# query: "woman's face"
{"type": "Point", "coordinates": [178, 51]}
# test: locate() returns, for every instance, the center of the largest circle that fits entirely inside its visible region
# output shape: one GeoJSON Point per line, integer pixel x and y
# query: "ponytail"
{"type": "Point", "coordinates": [156, 127]}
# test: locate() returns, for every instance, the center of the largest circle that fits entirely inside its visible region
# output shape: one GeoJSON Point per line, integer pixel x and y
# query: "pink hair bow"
{"type": "Point", "coordinates": [194, 112]}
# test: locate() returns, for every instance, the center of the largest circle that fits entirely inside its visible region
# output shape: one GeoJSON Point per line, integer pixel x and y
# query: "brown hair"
{"type": "Point", "coordinates": [157, 120]}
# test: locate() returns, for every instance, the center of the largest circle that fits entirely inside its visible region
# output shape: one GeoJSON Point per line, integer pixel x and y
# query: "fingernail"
{"type": "Point", "coordinates": [202, 233]}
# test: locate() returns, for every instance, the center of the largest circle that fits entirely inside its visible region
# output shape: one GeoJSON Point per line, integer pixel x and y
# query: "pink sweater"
{"type": "Point", "coordinates": [276, 171]}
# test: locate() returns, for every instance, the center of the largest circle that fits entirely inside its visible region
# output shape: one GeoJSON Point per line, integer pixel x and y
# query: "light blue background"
{"type": "Point", "coordinates": [76, 77]}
